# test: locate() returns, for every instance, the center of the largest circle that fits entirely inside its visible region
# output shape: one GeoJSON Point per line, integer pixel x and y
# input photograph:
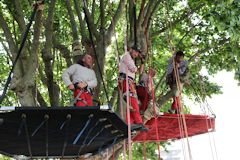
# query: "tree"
{"type": "Point", "coordinates": [207, 31]}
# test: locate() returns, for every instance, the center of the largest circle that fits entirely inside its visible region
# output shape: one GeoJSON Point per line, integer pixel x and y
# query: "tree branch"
{"type": "Point", "coordinates": [47, 56]}
{"type": "Point", "coordinates": [72, 21]}
{"type": "Point", "coordinates": [33, 59]}
{"type": "Point", "coordinates": [92, 26]}
{"type": "Point", "coordinates": [64, 51]}
{"type": "Point", "coordinates": [220, 43]}
{"type": "Point", "coordinates": [115, 19]}
{"type": "Point", "coordinates": [8, 35]}
{"type": "Point", "coordinates": [82, 23]}
{"type": "Point", "coordinates": [181, 18]}
{"type": "Point", "coordinates": [148, 12]}
{"type": "Point", "coordinates": [40, 98]}
{"type": "Point", "coordinates": [19, 16]}
{"type": "Point", "coordinates": [156, 6]}
{"type": "Point", "coordinates": [141, 14]}
{"type": "Point", "coordinates": [188, 32]}
{"type": "Point", "coordinates": [114, 96]}
{"type": "Point", "coordinates": [93, 9]}
{"type": "Point", "coordinates": [102, 14]}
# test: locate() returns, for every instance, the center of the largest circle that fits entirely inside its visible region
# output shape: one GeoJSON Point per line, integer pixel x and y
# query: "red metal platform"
{"type": "Point", "coordinates": [168, 127]}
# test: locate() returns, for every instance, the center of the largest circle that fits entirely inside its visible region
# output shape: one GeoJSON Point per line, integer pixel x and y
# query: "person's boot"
{"type": "Point", "coordinates": [135, 127]}
{"type": "Point", "coordinates": [171, 111]}
{"type": "Point", "coordinates": [142, 128]}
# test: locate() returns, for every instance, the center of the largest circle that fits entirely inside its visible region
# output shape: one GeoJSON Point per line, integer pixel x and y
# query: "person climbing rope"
{"type": "Point", "coordinates": [128, 69]}
{"type": "Point", "coordinates": [144, 90]}
{"type": "Point", "coordinates": [182, 69]}
{"type": "Point", "coordinates": [83, 81]}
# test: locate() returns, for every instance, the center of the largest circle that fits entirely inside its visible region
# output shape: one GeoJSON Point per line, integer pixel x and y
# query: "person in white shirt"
{"type": "Point", "coordinates": [81, 79]}
{"type": "Point", "coordinates": [128, 69]}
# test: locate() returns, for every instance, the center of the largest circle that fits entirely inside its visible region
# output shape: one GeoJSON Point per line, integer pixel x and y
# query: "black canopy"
{"type": "Point", "coordinates": [59, 131]}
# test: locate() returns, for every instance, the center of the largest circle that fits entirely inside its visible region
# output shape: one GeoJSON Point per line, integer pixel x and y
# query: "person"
{"type": "Point", "coordinates": [182, 69]}
{"type": "Point", "coordinates": [128, 69]}
{"type": "Point", "coordinates": [81, 79]}
{"type": "Point", "coordinates": [144, 90]}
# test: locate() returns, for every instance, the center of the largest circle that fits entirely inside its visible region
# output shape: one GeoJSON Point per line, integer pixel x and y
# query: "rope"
{"type": "Point", "coordinates": [182, 120]}
{"type": "Point", "coordinates": [119, 90]}
{"type": "Point", "coordinates": [10, 75]}
{"type": "Point", "coordinates": [155, 114]}
{"type": "Point", "coordinates": [203, 91]}
{"type": "Point", "coordinates": [128, 108]}
{"type": "Point", "coordinates": [94, 50]}
{"type": "Point", "coordinates": [181, 109]}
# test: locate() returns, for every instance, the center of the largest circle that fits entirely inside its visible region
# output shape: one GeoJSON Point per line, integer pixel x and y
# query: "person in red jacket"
{"type": "Point", "coordinates": [128, 69]}
{"type": "Point", "coordinates": [144, 90]}
{"type": "Point", "coordinates": [81, 79]}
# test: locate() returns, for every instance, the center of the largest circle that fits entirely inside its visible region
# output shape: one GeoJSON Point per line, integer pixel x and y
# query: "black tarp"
{"type": "Point", "coordinates": [59, 131]}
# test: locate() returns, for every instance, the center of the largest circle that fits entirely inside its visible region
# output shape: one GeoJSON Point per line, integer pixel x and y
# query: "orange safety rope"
{"type": "Point", "coordinates": [181, 108]}
{"type": "Point", "coordinates": [182, 120]}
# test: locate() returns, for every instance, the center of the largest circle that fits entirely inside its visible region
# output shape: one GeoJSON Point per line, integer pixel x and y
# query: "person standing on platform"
{"type": "Point", "coordinates": [81, 79]}
{"type": "Point", "coordinates": [128, 70]}
{"type": "Point", "coordinates": [182, 69]}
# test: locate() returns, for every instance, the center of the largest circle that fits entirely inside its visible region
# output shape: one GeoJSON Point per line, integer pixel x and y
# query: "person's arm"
{"type": "Point", "coordinates": [92, 83]}
{"type": "Point", "coordinates": [182, 68]}
{"type": "Point", "coordinates": [128, 61]}
{"type": "Point", "coordinates": [66, 76]}
{"type": "Point", "coordinates": [170, 66]}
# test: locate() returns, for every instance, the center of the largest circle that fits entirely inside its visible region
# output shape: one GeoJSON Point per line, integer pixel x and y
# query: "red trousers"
{"type": "Point", "coordinates": [85, 98]}
{"type": "Point", "coordinates": [176, 103]}
{"type": "Point", "coordinates": [135, 117]}
{"type": "Point", "coordinates": [144, 97]}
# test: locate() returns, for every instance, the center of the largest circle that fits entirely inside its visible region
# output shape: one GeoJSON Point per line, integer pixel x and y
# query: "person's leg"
{"type": "Point", "coordinates": [135, 115]}
{"type": "Point", "coordinates": [174, 104]}
{"type": "Point", "coordinates": [176, 101]}
{"type": "Point", "coordinates": [141, 97]}
{"type": "Point", "coordinates": [146, 100]}
{"type": "Point", "coordinates": [131, 116]}
{"type": "Point", "coordinates": [80, 98]}
{"type": "Point", "coordinates": [88, 99]}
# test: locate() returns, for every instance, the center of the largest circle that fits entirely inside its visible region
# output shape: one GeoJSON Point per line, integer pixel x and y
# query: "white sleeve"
{"type": "Point", "coordinates": [129, 63]}
{"type": "Point", "coordinates": [92, 83]}
{"type": "Point", "coordinates": [66, 76]}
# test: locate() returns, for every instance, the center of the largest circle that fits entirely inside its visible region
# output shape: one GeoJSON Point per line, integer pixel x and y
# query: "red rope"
{"type": "Point", "coordinates": [113, 155]}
